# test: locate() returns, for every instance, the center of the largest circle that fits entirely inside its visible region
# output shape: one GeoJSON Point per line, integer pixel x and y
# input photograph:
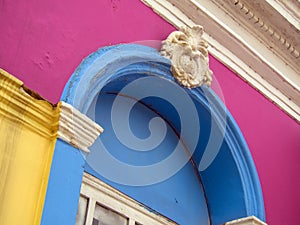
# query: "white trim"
{"type": "Point", "coordinates": [90, 211]}
{"type": "Point", "coordinates": [288, 9]}
{"type": "Point", "coordinates": [98, 191]}
{"type": "Point", "coordinates": [76, 128]}
{"type": "Point", "coordinates": [251, 220]}
{"type": "Point", "coordinates": [240, 49]}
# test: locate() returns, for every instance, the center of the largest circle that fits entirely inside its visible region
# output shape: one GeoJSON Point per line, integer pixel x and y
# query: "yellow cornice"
{"type": "Point", "coordinates": [22, 105]}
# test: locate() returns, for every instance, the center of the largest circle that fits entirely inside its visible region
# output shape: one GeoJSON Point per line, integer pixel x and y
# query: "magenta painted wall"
{"type": "Point", "coordinates": [42, 42]}
{"type": "Point", "coordinates": [274, 141]}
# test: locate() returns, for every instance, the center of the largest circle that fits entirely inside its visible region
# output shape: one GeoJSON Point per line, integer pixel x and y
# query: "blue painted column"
{"type": "Point", "coordinates": [64, 185]}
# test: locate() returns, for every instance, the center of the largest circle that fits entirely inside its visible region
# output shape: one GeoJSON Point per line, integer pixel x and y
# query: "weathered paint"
{"type": "Point", "coordinates": [43, 42]}
{"type": "Point", "coordinates": [28, 131]}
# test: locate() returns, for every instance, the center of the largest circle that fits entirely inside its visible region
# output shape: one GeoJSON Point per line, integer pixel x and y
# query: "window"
{"type": "Point", "coordinates": [101, 204]}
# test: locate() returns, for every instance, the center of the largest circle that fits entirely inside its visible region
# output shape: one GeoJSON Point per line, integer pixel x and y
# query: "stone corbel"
{"type": "Point", "coordinates": [76, 128]}
{"type": "Point", "coordinates": [188, 53]}
{"type": "Point", "coordinates": [251, 220]}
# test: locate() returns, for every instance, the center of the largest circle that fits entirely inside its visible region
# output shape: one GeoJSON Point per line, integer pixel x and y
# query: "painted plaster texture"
{"type": "Point", "coordinates": [43, 42]}
{"type": "Point", "coordinates": [28, 132]}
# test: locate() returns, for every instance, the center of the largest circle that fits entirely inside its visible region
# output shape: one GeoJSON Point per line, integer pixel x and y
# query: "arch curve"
{"type": "Point", "coordinates": [226, 170]}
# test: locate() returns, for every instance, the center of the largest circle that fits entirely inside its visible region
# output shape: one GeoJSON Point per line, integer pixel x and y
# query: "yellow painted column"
{"type": "Point", "coordinates": [28, 131]}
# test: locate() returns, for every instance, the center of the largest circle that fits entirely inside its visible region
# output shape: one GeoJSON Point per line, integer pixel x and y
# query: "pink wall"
{"type": "Point", "coordinates": [42, 42]}
{"type": "Point", "coordinates": [274, 141]}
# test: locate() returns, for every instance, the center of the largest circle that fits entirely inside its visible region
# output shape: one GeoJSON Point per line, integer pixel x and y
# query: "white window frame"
{"type": "Point", "coordinates": [96, 191]}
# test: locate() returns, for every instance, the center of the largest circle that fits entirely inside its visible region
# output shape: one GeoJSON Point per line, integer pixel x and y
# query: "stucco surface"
{"type": "Point", "coordinates": [42, 43]}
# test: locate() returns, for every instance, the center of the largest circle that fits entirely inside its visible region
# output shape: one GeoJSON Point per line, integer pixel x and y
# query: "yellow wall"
{"type": "Point", "coordinates": [28, 131]}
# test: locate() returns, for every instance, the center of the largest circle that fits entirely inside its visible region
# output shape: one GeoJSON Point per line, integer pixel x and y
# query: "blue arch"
{"type": "Point", "coordinates": [230, 181]}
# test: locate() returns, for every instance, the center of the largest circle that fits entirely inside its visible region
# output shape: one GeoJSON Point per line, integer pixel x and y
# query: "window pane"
{"type": "Point", "coordinates": [81, 211]}
{"type": "Point", "coordinates": [105, 216]}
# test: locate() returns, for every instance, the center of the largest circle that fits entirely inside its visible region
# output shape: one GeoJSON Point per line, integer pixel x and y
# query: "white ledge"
{"type": "Point", "coordinates": [76, 128]}
{"type": "Point", "coordinates": [251, 220]}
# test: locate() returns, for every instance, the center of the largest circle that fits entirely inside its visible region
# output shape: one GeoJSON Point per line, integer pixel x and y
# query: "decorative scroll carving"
{"type": "Point", "coordinates": [188, 53]}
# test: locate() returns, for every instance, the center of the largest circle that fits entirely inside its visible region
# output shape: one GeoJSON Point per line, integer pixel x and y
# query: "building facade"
{"type": "Point", "coordinates": [250, 114]}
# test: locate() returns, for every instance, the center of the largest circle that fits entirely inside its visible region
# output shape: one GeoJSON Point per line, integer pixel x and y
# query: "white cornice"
{"type": "Point", "coordinates": [248, 41]}
{"type": "Point", "coordinates": [290, 10]}
{"type": "Point", "coordinates": [278, 30]}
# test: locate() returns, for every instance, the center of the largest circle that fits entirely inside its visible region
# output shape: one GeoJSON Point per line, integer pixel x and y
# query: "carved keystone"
{"type": "Point", "coordinates": [188, 53]}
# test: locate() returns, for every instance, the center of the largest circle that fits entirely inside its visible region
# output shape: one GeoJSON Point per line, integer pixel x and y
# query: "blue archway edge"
{"type": "Point", "coordinates": [231, 183]}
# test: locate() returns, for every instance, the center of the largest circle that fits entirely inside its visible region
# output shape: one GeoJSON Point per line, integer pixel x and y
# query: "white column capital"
{"type": "Point", "coordinates": [251, 220]}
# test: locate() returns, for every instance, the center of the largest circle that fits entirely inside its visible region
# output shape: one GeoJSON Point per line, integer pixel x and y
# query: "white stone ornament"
{"type": "Point", "coordinates": [188, 53]}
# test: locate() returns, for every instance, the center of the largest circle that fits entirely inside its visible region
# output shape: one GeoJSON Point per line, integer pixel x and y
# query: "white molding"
{"type": "Point", "coordinates": [232, 42]}
{"type": "Point", "coordinates": [90, 211]}
{"type": "Point", "coordinates": [76, 128]}
{"type": "Point", "coordinates": [251, 220]}
{"type": "Point", "coordinates": [267, 23]}
{"type": "Point", "coordinates": [98, 191]}
{"type": "Point", "coordinates": [289, 9]}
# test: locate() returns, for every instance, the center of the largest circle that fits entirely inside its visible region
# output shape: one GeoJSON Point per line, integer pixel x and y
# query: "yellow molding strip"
{"type": "Point", "coordinates": [28, 131]}
{"type": "Point", "coordinates": [41, 115]}
{"type": "Point", "coordinates": [29, 127]}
